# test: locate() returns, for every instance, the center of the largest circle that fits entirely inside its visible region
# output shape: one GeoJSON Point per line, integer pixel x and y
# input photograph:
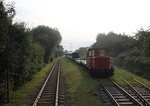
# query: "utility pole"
{"type": "Point", "coordinates": [70, 46]}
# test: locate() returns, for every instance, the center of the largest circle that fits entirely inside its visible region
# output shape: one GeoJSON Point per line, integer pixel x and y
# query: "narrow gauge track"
{"type": "Point", "coordinates": [115, 95]}
{"type": "Point", "coordinates": [51, 93]}
{"type": "Point", "coordinates": [140, 93]}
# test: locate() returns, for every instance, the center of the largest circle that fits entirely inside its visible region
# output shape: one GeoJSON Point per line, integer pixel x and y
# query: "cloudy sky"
{"type": "Point", "coordinates": [79, 21]}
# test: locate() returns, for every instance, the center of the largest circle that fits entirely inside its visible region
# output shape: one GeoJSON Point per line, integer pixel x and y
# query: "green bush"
{"type": "Point", "coordinates": [21, 56]}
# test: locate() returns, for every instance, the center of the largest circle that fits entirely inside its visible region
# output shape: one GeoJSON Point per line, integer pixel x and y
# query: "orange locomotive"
{"type": "Point", "coordinates": [98, 62]}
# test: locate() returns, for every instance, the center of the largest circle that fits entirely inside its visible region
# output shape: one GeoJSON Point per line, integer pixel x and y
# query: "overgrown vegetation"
{"type": "Point", "coordinates": [131, 53]}
{"type": "Point", "coordinates": [137, 59]}
{"type": "Point", "coordinates": [24, 94]}
{"type": "Point", "coordinates": [127, 76]}
{"type": "Point", "coordinates": [80, 87]}
{"type": "Point", "coordinates": [23, 51]}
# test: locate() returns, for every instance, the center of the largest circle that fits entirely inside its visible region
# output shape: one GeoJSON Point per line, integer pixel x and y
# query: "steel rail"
{"type": "Point", "coordinates": [142, 84]}
{"type": "Point", "coordinates": [41, 90]}
{"type": "Point", "coordinates": [110, 95]}
{"type": "Point", "coordinates": [127, 94]}
{"type": "Point", "coordinates": [57, 89]}
{"type": "Point", "coordinates": [145, 102]}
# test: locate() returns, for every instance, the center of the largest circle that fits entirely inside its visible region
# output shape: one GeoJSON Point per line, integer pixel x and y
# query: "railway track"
{"type": "Point", "coordinates": [140, 92]}
{"type": "Point", "coordinates": [115, 95]}
{"type": "Point", "coordinates": [130, 95]}
{"type": "Point", "coordinates": [52, 91]}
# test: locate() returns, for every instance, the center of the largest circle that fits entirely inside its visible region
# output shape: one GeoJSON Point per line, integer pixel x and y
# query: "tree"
{"type": "Point", "coordinates": [7, 12]}
{"type": "Point", "coordinates": [115, 43]}
{"type": "Point", "coordinates": [137, 58]}
{"type": "Point", "coordinates": [143, 37]}
{"type": "Point", "coordinates": [49, 38]}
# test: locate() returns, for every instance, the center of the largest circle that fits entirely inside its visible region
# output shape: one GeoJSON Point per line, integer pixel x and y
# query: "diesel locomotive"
{"type": "Point", "coordinates": [98, 63]}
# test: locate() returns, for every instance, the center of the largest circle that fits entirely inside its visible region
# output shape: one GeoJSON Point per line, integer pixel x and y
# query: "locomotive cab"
{"type": "Point", "coordinates": [98, 62]}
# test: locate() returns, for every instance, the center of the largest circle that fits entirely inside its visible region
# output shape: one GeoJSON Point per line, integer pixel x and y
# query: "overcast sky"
{"type": "Point", "coordinates": [79, 21]}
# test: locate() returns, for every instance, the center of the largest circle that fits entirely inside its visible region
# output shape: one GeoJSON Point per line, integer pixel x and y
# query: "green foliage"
{"type": "Point", "coordinates": [115, 43]}
{"type": "Point", "coordinates": [137, 59]}
{"type": "Point", "coordinates": [21, 56]}
{"type": "Point", "coordinates": [143, 38]}
{"type": "Point", "coordinates": [24, 57]}
{"type": "Point", "coordinates": [80, 87]}
{"type": "Point", "coordinates": [128, 76]}
{"type": "Point", "coordinates": [5, 22]}
{"type": "Point", "coordinates": [6, 16]}
{"type": "Point", "coordinates": [21, 96]}
{"type": "Point", "coordinates": [132, 53]}
{"type": "Point", "coordinates": [49, 38]}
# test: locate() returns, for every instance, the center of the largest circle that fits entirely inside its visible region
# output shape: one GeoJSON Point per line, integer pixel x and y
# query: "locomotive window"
{"type": "Point", "coordinates": [93, 53]}
{"type": "Point", "coordinates": [90, 53]}
{"type": "Point", "coordinates": [102, 52]}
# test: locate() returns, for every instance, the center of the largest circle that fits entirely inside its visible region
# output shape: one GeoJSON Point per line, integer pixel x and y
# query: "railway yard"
{"type": "Point", "coordinates": [69, 84]}
{"type": "Point", "coordinates": [74, 53]}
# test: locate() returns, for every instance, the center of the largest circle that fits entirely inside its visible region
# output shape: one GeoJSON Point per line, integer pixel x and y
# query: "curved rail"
{"type": "Point", "coordinates": [143, 100]}
{"type": "Point", "coordinates": [142, 84]}
{"type": "Point", "coordinates": [127, 94]}
{"type": "Point", "coordinates": [118, 96]}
